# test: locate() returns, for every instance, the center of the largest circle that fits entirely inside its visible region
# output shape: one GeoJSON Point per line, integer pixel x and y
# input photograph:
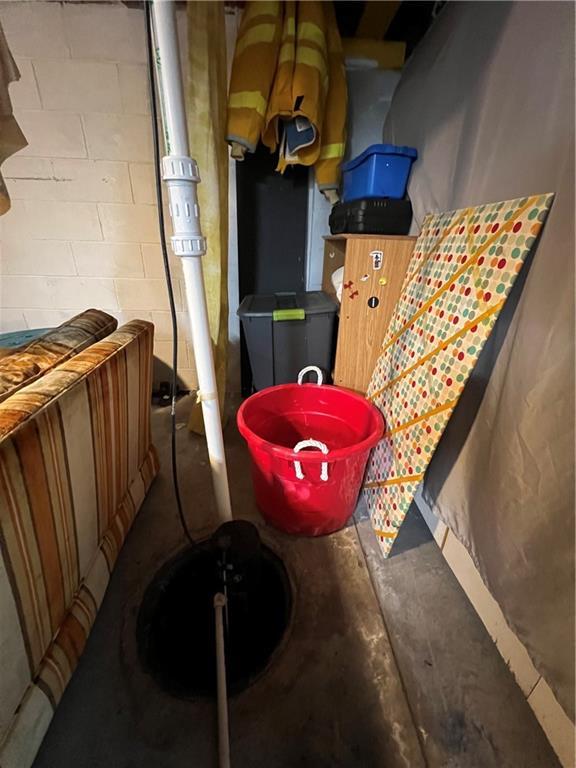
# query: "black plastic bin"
{"type": "Point", "coordinates": [372, 216]}
{"type": "Point", "coordinates": [285, 332]}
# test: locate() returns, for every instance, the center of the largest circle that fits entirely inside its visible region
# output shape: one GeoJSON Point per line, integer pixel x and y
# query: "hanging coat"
{"type": "Point", "coordinates": [253, 72]}
{"type": "Point", "coordinates": [306, 95]}
{"type": "Point", "coordinates": [333, 146]}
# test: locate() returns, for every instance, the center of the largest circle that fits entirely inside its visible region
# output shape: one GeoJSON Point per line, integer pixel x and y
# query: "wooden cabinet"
{"type": "Point", "coordinates": [374, 271]}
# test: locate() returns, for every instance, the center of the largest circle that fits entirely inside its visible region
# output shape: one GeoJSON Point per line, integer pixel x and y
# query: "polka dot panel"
{"type": "Point", "coordinates": [462, 269]}
{"type": "Point", "coordinates": [483, 261]}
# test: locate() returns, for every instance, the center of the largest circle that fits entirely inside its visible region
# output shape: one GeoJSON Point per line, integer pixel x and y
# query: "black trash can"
{"type": "Point", "coordinates": [285, 332]}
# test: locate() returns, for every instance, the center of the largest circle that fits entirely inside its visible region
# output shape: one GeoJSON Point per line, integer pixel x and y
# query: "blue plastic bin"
{"type": "Point", "coordinates": [382, 170]}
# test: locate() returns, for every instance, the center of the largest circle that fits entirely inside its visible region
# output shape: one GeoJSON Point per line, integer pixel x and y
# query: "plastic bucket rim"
{"type": "Point", "coordinates": [316, 458]}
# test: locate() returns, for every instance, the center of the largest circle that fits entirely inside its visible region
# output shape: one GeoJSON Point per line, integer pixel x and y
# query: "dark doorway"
{"type": "Point", "coordinates": [272, 222]}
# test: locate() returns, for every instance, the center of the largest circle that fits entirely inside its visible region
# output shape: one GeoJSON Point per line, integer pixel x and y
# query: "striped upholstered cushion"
{"type": "Point", "coordinates": [25, 365]}
{"type": "Point", "coordinates": [76, 461]}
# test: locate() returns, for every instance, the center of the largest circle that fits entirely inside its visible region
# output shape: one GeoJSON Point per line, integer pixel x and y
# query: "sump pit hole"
{"type": "Point", "coordinates": [175, 628]}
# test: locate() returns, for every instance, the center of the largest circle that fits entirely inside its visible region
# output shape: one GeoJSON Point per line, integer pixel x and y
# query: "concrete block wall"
{"type": "Point", "coordinates": [83, 231]}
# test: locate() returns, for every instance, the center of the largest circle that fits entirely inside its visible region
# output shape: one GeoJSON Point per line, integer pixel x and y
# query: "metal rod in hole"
{"type": "Point", "coordinates": [223, 729]}
{"type": "Point", "coordinates": [225, 590]}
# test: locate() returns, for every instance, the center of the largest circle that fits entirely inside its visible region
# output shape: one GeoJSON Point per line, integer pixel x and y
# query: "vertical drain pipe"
{"type": "Point", "coordinates": [180, 174]}
{"type": "Point", "coordinates": [222, 693]}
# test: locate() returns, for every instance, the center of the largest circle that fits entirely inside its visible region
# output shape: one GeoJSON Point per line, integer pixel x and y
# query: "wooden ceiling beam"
{"type": "Point", "coordinates": [376, 19]}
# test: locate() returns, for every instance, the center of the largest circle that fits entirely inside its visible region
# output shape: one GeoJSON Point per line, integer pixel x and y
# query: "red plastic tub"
{"type": "Point", "coordinates": [311, 493]}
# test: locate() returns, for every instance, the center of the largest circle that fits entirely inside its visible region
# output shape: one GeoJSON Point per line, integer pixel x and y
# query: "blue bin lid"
{"type": "Point", "coordinates": [380, 149]}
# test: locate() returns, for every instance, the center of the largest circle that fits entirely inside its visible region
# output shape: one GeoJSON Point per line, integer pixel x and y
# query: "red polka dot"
{"type": "Point", "coordinates": [501, 263]}
{"type": "Point", "coordinates": [448, 382]}
{"type": "Point", "coordinates": [495, 227]}
{"type": "Point", "coordinates": [410, 471]}
{"type": "Point", "coordinates": [474, 328]}
{"type": "Point", "coordinates": [477, 228]}
{"type": "Point", "coordinates": [481, 260]}
{"type": "Point", "coordinates": [487, 296]}
{"type": "Point", "coordinates": [456, 318]}
{"type": "Point", "coordinates": [434, 371]}
{"type": "Point", "coordinates": [452, 287]}
{"type": "Point", "coordinates": [517, 227]}
{"type": "Point", "coordinates": [460, 355]}
{"type": "Point", "coordinates": [442, 313]}
{"type": "Point", "coordinates": [467, 291]}
{"type": "Point", "coordinates": [424, 394]}
{"type": "Point", "coordinates": [428, 429]}
{"type": "Point", "coordinates": [418, 450]}
{"type": "Point", "coordinates": [431, 338]}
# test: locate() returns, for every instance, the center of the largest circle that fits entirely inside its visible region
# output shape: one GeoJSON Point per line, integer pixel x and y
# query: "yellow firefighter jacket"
{"type": "Point", "coordinates": [289, 66]}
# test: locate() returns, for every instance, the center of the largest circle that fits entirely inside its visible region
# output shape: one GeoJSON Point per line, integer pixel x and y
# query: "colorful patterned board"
{"type": "Point", "coordinates": [462, 269]}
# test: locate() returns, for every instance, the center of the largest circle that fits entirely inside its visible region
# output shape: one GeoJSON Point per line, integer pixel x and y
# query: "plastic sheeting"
{"type": "Point", "coordinates": [488, 99]}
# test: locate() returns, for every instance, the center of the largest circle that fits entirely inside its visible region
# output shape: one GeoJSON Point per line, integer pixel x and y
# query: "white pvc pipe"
{"type": "Point", "coordinates": [223, 729]}
{"type": "Point", "coordinates": [181, 177]}
{"type": "Point", "coordinates": [170, 77]}
{"type": "Point", "coordinates": [196, 301]}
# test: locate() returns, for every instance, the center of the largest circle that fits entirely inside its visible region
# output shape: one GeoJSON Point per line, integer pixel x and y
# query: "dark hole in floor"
{"type": "Point", "coordinates": [175, 628]}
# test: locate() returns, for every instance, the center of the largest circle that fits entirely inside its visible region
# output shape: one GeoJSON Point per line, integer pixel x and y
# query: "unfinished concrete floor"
{"type": "Point", "coordinates": [337, 693]}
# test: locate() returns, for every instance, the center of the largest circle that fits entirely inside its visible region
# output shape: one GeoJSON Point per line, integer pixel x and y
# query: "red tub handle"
{"type": "Point", "coordinates": [308, 369]}
{"type": "Point", "coordinates": [310, 443]}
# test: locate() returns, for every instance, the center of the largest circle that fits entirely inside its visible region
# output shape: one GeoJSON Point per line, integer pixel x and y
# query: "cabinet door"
{"type": "Point", "coordinates": [334, 252]}
{"type": "Point", "coordinates": [374, 271]}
